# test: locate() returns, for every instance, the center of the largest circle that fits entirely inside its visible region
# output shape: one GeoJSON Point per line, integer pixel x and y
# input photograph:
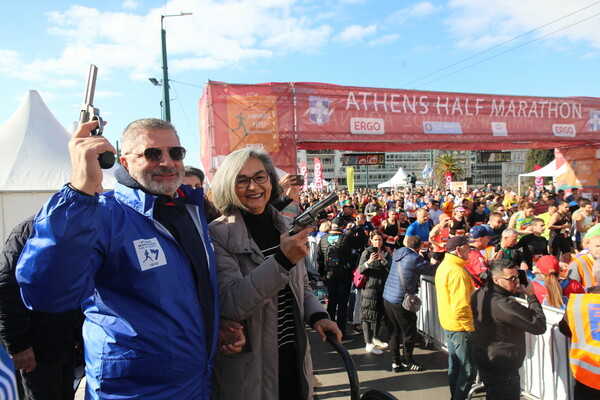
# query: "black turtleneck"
{"type": "Point", "coordinates": [266, 236]}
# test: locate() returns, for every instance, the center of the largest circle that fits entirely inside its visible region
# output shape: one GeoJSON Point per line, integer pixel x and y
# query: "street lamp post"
{"type": "Point", "coordinates": [163, 37]}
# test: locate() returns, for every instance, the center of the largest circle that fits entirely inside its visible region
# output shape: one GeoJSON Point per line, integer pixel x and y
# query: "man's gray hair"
{"type": "Point", "coordinates": [223, 184]}
{"type": "Point", "coordinates": [131, 136]}
{"type": "Point", "coordinates": [509, 232]}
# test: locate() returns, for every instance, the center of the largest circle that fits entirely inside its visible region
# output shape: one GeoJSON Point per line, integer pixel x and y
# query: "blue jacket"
{"type": "Point", "coordinates": [413, 266]}
{"type": "Point", "coordinates": [144, 333]}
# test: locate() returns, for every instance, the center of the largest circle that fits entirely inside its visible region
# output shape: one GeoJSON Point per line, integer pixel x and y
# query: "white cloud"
{"type": "Point", "coordinates": [355, 33]}
{"type": "Point", "coordinates": [480, 25]}
{"type": "Point", "coordinates": [387, 39]}
{"type": "Point", "coordinates": [423, 9]}
{"type": "Point", "coordinates": [419, 10]}
{"type": "Point", "coordinates": [130, 5]}
{"type": "Point", "coordinates": [217, 35]}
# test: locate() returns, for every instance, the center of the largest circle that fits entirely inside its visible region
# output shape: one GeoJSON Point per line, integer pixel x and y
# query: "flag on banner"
{"type": "Point", "coordinates": [318, 174]}
{"type": "Point", "coordinates": [427, 172]}
{"type": "Point", "coordinates": [539, 180]}
{"type": "Point", "coordinates": [448, 179]}
{"type": "Point", "coordinates": [350, 179]}
{"type": "Point", "coordinates": [304, 173]}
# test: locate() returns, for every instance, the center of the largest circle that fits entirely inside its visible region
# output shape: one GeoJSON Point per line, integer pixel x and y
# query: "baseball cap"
{"type": "Point", "coordinates": [336, 223]}
{"type": "Point", "coordinates": [461, 209]}
{"type": "Point", "coordinates": [456, 241]}
{"type": "Point", "coordinates": [548, 265]}
{"type": "Point", "coordinates": [479, 231]}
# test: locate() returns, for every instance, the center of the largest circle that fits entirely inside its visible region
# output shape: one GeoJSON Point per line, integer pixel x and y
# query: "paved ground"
{"type": "Point", "coordinates": [374, 372]}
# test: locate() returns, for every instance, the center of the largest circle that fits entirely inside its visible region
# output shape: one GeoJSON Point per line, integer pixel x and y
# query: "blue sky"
{"type": "Point", "coordinates": [48, 46]}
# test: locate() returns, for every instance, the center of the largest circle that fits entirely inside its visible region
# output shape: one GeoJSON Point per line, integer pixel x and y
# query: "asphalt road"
{"type": "Point", "coordinates": [375, 372]}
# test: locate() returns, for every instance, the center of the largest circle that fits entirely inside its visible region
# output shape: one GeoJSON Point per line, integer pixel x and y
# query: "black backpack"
{"type": "Point", "coordinates": [336, 266]}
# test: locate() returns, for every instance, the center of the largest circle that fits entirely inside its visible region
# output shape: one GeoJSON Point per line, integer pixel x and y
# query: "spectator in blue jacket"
{"type": "Point", "coordinates": [412, 265]}
{"type": "Point", "coordinates": [138, 262]}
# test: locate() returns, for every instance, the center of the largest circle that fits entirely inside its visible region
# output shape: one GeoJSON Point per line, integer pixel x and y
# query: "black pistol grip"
{"type": "Point", "coordinates": [106, 160]}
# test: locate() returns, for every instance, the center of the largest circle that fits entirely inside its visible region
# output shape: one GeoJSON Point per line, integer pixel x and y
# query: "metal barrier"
{"type": "Point", "coordinates": [311, 259]}
{"type": "Point", "coordinates": [545, 373]}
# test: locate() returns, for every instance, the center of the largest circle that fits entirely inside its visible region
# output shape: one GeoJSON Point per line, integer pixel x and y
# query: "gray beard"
{"type": "Point", "coordinates": [158, 188]}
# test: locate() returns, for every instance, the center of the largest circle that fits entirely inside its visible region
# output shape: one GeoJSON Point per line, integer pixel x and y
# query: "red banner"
{"type": "Point", "coordinates": [358, 118]}
{"type": "Point", "coordinates": [539, 180]}
{"type": "Point", "coordinates": [237, 116]}
{"type": "Point", "coordinates": [318, 174]}
{"type": "Point", "coordinates": [281, 117]}
{"type": "Point", "coordinates": [304, 173]}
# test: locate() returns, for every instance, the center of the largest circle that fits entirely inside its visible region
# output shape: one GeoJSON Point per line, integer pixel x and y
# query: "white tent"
{"type": "Point", "coordinates": [399, 179]}
{"type": "Point", "coordinates": [34, 161]}
{"type": "Point", "coordinates": [549, 170]}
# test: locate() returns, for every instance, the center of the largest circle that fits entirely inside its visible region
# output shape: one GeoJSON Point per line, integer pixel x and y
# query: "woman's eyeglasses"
{"type": "Point", "coordinates": [243, 182]}
{"type": "Point", "coordinates": [155, 154]}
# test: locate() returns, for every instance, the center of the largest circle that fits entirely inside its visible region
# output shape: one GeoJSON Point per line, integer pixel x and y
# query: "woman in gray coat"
{"type": "Point", "coordinates": [263, 285]}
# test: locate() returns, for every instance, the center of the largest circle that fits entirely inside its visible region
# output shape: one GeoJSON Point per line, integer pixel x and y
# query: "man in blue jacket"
{"type": "Point", "coordinates": [138, 262]}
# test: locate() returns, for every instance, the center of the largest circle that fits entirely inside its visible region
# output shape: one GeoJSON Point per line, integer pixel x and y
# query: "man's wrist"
{"type": "Point", "coordinates": [82, 192]}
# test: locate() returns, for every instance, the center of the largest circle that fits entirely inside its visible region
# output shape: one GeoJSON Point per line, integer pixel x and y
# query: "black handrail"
{"type": "Point", "coordinates": [372, 394]}
{"type": "Point", "coordinates": [348, 363]}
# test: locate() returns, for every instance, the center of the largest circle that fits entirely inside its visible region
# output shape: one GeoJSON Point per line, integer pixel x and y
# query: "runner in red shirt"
{"type": "Point", "coordinates": [477, 264]}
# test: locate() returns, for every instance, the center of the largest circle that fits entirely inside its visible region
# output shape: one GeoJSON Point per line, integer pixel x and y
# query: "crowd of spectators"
{"type": "Point", "coordinates": [482, 238]}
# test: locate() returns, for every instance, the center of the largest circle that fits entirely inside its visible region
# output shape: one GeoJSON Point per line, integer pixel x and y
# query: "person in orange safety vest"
{"type": "Point", "coordinates": [582, 324]}
{"type": "Point", "coordinates": [581, 267]}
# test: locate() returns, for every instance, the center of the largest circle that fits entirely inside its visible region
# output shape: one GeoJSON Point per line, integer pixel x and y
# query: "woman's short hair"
{"type": "Point", "coordinates": [223, 184]}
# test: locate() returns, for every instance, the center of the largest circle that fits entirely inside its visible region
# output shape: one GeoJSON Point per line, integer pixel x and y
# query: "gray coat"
{"type": "Point", "coordinates": [248, 288]}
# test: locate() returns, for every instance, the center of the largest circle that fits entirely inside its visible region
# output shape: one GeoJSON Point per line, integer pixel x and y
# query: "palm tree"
{"type": "Point", "coordinates": [443, 163]}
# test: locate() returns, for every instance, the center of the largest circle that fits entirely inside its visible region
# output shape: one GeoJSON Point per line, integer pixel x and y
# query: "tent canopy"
{"type": "Point", "coordinates": [34, 161]}
{"type": "Point", "coordinates": [548, 170]}
{"type": "Point", "coordinates": [34, 152]}
{"type": "Point", "coordinates": [399, 179]}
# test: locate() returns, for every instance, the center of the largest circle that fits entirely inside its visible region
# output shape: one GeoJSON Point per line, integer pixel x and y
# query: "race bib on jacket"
{"type": "Point", "coordinates": [150, 254]}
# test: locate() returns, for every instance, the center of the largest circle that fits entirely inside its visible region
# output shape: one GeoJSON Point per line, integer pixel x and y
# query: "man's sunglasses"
{"type": "Point", "coordinates": [513, 279]}
{"type": "Point", "coordinates": [155, 154]}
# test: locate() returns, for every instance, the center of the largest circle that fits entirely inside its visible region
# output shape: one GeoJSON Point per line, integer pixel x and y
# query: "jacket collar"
{"type": "Point", "coordinates": [499, 289]}
{"type": "Point", "coordinates": [240, 240]}
{"type": "Point", "coordinates": [455, 259]}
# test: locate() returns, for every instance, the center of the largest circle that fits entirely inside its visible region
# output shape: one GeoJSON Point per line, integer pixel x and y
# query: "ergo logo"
{"type": "Point", "coordinates": [564, 130]}
{"type": "Point", "coordinates": [367, 126]}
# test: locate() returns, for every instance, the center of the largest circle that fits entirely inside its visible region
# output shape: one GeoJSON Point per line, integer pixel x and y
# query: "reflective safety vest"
{"type": "Point", "coordinates": [583, 313]}
{"type": "Point", "coordinates": [584, 267]}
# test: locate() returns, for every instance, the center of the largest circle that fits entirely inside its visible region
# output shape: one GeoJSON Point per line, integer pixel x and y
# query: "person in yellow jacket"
{"type": "Point", "coordinates": [582, 324]}
{"type": "Point", "coordinates": [454, 288]}
{"type": "Point", "coordinates": [581, 267]}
